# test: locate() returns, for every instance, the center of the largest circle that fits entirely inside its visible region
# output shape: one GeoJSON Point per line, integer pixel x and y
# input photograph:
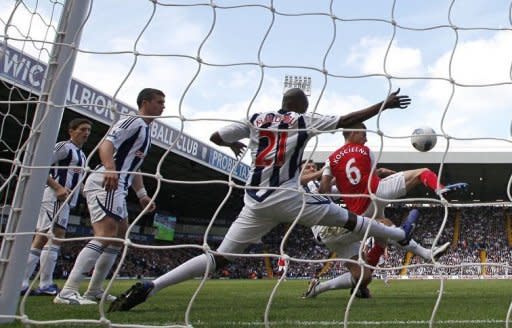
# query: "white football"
{"type": "Point", "coordinates": [424, 138]}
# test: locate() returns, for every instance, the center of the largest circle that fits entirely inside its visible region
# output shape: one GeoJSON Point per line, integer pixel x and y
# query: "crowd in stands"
{"type": "Point", "coordinates": [482, 234]}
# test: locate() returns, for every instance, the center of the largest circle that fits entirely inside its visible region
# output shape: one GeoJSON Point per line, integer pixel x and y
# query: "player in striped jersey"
{"type": "Point", "coordinates": [121, 152]}
{"type": "Point", "coordinates": [277, 142]}
{"type": "Point", "coordinates": [68, 160]}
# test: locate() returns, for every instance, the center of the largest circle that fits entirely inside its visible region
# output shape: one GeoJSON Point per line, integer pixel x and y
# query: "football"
{"type": "Point", "coordinates": [424, 138]}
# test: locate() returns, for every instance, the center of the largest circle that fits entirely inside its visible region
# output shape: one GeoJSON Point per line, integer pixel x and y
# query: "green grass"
{"type": "Point", "coordinates": [241, 303]}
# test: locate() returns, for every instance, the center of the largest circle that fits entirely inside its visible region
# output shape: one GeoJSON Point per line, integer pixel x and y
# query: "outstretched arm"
{"type": "Point", "coordinates": [310, 175]}
{"type": "Point", "coordinates": [393, 101]}
{"type": "Point", "coordinates": [237, 147]}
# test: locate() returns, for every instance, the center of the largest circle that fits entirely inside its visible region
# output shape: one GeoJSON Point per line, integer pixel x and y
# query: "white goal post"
{"type": "Point", "coordinates": [36, 156]}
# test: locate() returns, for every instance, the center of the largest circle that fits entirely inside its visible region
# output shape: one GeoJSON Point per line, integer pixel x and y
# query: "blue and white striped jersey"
{"type": "Point", "coordinates": [277, 142]}
{"type": "Point", "coordinates": [131, 138]}
{"type": "Point", "coordinates": [72, 159]}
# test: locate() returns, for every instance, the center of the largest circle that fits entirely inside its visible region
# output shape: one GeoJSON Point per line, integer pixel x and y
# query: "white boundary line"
{"type": "Point", "coordinates": [363, 323]}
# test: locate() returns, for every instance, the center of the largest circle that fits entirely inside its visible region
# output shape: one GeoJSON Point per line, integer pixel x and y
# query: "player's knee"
{"type": "Point", "coordinates": [385, 221]}
{"type": "Point", "coordinates": [59, 232]}
{"type": "Point", "coordinates": [367, 276]}
{"type": "Point", "coordinates": [421, 171]}
{"type": "Point", "coordinates": [39, 241]}
{"type": "Point", "coordinates": [366, 273]}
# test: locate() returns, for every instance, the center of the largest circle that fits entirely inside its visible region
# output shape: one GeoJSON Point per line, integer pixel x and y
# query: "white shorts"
{"type": "Point", "coordinates": [102, 203]}
{"type": "Point", "coordinates": [391, 187]}
{"type": "Point", "coordinates": [254, 222]}
{"type": "Point", "coordinates": [342, 241]}
{"type": "Point", "coordinates": [48, 214]}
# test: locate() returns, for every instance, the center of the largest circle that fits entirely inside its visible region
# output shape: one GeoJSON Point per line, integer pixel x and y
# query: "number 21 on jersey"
{"type": "Point", "coordinates": [275, 141]}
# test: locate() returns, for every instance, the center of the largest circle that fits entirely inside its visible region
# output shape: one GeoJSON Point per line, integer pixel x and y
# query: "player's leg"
{"type": "Point", "coordinates": [378, 250]}
{"type": "Point", "coordinates": [392, 187]}
{"type": "Point", "coordinates": [106, 260]}
{"type": "Point", "coordinates": [105, 216]}
{"type": "Point", "coordinates": [33, 258]}
{"type": "Point", "coordinates": [428, 178]}
{"type": "Point", "coordinates": [385, 277]}
{"type": "Point", "coordinates": [48, 261]}
{"type": "Point", "coordinates": [51, 251]}
{"type": "Point", "coordinates": [355, 270]}
{"type": "Point", "coordinates": [335, 216]}
{"type": "Point", "coordinates": [345, 247]}
{"type": "Point", "coordinates": [44, 223]}
{"type": "Point", "coordinates": [245, 230]}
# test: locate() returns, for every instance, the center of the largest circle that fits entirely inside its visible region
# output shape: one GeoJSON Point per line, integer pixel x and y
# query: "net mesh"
{"type": "Point", "coordinates": [232, 55]}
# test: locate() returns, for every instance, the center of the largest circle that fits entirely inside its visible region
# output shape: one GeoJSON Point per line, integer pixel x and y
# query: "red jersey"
{"type": "Point", "coordinates": [351, 166]}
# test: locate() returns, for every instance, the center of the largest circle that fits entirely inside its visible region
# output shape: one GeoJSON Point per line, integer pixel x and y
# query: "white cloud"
{"type": "Point", "coordinates": [25, 22]}
{"type": "Point", "coordinates": [474, 111]}
{"type": "Point", "coordinates": [369, 54]}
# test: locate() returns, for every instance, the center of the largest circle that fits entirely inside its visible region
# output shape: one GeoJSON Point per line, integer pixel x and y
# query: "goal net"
{"type": "Point", "coordinates": [220, 62]}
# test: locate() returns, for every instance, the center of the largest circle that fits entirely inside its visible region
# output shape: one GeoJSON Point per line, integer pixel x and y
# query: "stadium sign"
{"type": "Point", "coordinates": [27, 72]}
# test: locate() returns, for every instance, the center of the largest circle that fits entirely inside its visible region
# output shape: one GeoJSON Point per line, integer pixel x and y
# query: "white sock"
{"type": "Point", "coordinates": [195, 267]}
{"type": "Point", "coordinates": [378, 230]}
{"type": "Point", "coordinates": [345, 281]}
{"type": "Point", "coordinates": [47, 262]}
{"type": "Point", "coordinates": [417, 249]}
{"type": "Point", "coordinates": [102, 268]}
{"type": "Point", "coordinates": [33, 258]}
{"type": "Point", "coordinates": [83, 265]}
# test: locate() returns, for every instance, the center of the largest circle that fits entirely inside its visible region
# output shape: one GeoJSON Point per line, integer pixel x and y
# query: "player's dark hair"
{"type": "Point", "coordinates": [76, 122]}
{"type": "Point", "coordinates": [294, 97]}
{"type": "Point", "coordinates": [306, 161]}
{"type": "Point", "coordinates": [346, 134]}
{"type": "Point", "coordinates": [148, 94]}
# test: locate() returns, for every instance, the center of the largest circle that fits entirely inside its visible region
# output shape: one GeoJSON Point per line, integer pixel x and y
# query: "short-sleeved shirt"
{"type": "Point", "coordinates": [351, 165]}
{"type": "Point", "coordinates": [277, 142]}
{"type": "Point", "coordinates": [69, 161]}
{"type": "Point", "coordinates": [131, 139]}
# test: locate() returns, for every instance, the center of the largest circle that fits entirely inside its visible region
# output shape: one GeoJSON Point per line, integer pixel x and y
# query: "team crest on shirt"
{"type": "Point", "coordinates": [140, 154]}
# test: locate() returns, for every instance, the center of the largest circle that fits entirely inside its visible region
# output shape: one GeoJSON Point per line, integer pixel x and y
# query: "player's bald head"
{"type": "Point", "coordinates": [295, 100]}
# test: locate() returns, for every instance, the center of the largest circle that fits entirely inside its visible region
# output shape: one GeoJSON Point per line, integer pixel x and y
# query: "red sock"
{"type": "Point", "coordinates": [373, 255]}
{"type": "Point", "coordinates": [429, 179]}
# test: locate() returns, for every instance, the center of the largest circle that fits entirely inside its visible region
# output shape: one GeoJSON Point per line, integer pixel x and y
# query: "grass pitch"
{"type": "Point", "coordinates": [241, 303]}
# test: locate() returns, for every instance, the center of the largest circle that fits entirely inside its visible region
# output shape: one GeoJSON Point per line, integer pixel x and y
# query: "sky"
{"type": "Point", "coordinates": [227, 62]}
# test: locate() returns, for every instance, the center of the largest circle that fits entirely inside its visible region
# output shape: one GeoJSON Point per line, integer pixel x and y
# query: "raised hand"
{"type": "Point", "coordinates": [62, 193]}
{"type": "Point", "coordinates": [144, 201]}
{"type": "Point", "coordinates": [110, 181]}
{"type": "Point", "coordinates": [396, 101]}
{"type": "Point", "coordinates": [237, 148]}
